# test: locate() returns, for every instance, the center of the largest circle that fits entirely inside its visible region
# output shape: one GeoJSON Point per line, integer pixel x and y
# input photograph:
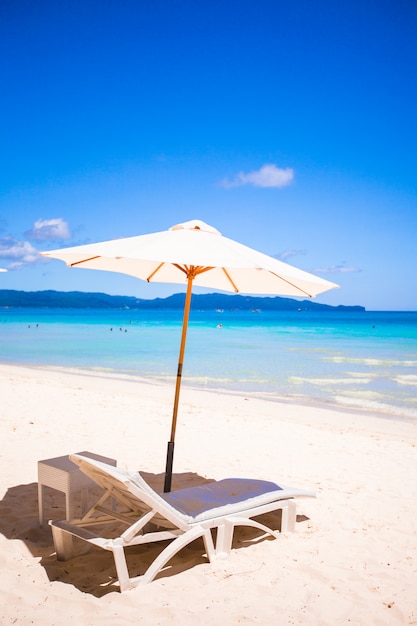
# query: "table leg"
{"type": "Point", "coordinates": [69, 506]}
{"type": "Point", "coordinates": [40, 504]}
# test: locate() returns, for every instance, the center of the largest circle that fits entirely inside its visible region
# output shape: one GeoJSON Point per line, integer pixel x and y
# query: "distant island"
{"type": "Point", "coordinates": [207, 302]}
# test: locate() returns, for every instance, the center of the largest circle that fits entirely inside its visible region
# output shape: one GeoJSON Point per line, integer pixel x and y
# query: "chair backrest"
{"type": "Point", "coordinates": [130, 488]}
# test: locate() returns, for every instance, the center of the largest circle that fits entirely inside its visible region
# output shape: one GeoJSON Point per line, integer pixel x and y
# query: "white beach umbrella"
{"type": "Point", "coordinates": [193, 253]}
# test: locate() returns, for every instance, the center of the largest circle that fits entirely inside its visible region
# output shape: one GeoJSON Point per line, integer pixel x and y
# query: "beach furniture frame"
{"type": "Point", "coordinates": [180, 516]}
{"type": "Point", "coordinates": [62, 474]}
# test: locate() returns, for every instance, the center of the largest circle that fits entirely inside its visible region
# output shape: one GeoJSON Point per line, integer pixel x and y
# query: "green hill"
{"type": "Point", "coordinates": [212, 301]}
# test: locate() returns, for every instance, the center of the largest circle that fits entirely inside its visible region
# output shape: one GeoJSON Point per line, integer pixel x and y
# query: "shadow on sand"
{"type": "Point", "coordinates": [92, 570]}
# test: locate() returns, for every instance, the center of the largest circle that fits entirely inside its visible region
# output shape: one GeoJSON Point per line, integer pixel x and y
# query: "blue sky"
{"type": "Point", "coordinates": [289, 126]}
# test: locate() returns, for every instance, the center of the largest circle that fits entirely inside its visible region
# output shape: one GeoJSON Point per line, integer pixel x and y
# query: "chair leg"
{"type": "Point", "coordinates": [174, 547]}
{"type": "Point", "coordinates": [63, 543]}
{"type": "Point", "coordinates": [224, 539]}
{"type": "Point", "coordinates": [208, 544]}
{"type": "Point", "coordinates": [289, 514]}
{"type": "Point", "coordinates": [225, 533]}
{"type": "Point", "coordinates": [121, 567]}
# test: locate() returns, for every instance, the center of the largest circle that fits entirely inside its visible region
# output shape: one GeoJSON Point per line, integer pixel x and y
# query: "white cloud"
{"type": "Point", "coordinates": [286, 254]}
{"type": "Point", "coordinates": [49, 230]}
{"type": "Point", "coordinates": [337, 269]}
{"type": "Point", "coordinates": [269, 175]}
{"type": "Point", "coordinates": [18, 253]}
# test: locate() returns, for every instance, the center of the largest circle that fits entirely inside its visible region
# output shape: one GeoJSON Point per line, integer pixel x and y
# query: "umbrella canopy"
{"type": "Point", "coordinates": [193, 253]}
{"type": "Point", "coordinates": [215, 261]}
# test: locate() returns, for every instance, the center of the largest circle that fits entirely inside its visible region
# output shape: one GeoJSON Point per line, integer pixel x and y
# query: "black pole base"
{"type": "Point", "coordinates": [168, 469]}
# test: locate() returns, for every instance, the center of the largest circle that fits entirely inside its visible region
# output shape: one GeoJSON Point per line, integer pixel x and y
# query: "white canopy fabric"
{"type": "Point", "coordinates": [216, 262]}
{"type": "Point", "coordinates": [193, 253]}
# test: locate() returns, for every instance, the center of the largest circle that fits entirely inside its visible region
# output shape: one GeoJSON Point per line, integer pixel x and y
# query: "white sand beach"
{"type": "Point", "coordinates": [351, 561]}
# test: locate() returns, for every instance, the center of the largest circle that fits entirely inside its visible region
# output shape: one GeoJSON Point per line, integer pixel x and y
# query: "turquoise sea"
{"type": "Point", "coordinates": [361, 360]}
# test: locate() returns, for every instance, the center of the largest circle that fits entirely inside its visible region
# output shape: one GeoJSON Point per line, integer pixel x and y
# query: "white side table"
{"type": "Point", "coordinates": [63, 475]}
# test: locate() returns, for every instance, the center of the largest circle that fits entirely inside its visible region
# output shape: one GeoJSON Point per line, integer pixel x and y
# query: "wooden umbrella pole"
{"type": "Point", "coordinates": [171, 442]}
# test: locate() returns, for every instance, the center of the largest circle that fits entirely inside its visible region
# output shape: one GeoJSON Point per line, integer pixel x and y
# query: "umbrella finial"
{"type": "Point", "coordinates": [196, 225]}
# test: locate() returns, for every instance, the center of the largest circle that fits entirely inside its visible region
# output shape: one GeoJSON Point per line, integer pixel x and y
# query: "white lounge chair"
{"type": "Point", "coordinates": [180, 516]}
